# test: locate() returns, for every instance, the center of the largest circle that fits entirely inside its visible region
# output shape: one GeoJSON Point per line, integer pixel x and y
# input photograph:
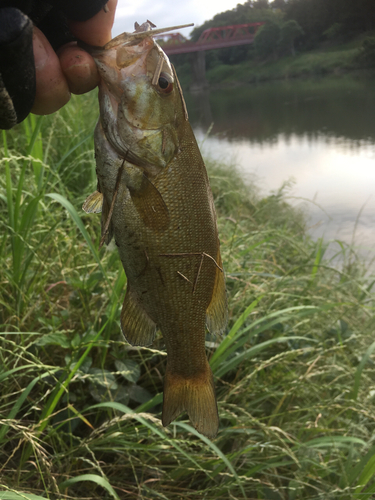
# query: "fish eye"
{"type": "Point", "coordinates": [164, 84]}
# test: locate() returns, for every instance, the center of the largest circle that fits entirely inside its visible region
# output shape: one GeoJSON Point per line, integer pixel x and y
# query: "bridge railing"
{"type": "Point", "coordinates": [229, 32]}
{"type": "Point", "coordinates": [212, 38]}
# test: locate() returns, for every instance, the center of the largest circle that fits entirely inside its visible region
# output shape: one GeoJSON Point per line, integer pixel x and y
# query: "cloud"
{"type": "Point", "coordinates": [165, 13]}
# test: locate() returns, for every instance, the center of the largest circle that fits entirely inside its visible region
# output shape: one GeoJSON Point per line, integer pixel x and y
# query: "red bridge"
{"type": "Point", "coordinates": [212, 38]}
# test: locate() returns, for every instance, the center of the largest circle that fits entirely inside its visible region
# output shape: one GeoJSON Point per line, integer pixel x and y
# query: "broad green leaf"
{"type": "Point", "coordinates": [55, 338]}
{"type": "Point", "coordinates": [139, 394]}
{"type": "Point", "coordinates": [105, 378]}
{"type": "Point", "coordinates": [129, 369]}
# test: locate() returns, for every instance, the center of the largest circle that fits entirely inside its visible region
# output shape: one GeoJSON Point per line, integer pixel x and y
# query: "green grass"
{"type": "Point", "coordinates": [80, 409]}
{"type": "Point", "coordinates": [309, 64]}
{"type": "Point", "coordinates": [328, 59]}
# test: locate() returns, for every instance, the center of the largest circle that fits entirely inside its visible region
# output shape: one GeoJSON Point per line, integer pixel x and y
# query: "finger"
{"type": "Point", "coordinates": [97, 30]}
{"type": "Point", "coordinates": [79, 69]}
{"type": "Point", "coordinates": [52, 90]}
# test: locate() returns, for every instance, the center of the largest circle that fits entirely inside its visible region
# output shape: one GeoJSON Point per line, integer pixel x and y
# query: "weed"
{"type": "Point", "coordinates": [80, 409]}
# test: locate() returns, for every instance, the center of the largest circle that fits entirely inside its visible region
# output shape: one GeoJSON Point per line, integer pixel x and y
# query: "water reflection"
{"type": "Point", "coordinates": [320, 133]}
{"type": "Point", "coordinates": [341, 107]}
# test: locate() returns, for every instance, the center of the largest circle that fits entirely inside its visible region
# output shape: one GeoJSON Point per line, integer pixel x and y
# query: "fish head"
{"type": "Point", "coordinates": [141, 104]}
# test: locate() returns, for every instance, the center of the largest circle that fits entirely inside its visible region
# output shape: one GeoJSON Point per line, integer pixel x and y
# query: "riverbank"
{"type": "Point", "coordinates": [293, 375]}
{"type": "Point", "coordinates": [334, 59]}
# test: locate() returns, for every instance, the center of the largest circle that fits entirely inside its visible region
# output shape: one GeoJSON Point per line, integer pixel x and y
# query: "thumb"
{"type": "Point", "coordinates": [97, 30]}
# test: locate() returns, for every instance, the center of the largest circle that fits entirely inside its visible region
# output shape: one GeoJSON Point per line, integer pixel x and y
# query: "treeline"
{"type": "Point", "coordinates": [291, 24]}
{"type": "Point", "coordinates": [322, 19]}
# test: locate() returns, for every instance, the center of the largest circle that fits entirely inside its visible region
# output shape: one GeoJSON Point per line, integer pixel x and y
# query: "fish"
{"type": "Point", "coordinates": [156, 202]}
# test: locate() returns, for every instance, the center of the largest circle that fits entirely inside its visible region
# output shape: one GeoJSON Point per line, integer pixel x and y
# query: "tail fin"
{"type": "Point", "coordinates": [196, 396]}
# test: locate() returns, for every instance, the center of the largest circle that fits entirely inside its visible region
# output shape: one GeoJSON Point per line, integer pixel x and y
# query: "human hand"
{"type": "Point", "coordinates": [60, 68]}
{"type": "Point", "coordinates": [71, 69]}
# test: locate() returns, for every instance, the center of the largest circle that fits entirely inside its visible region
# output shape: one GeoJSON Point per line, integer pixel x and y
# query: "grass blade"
{"type": "Point", "coordinates": [99, 480]}
{"type": "Point", "coordinates": [367, 474]}
{"type": "Point", "coordinates": [332, 441]}
{"type": "Point", "coordinates": [78, 221]}
{"type": "Point", "coordinates": [124, 409]}
{"type": "Point", "coordinates": [18, 495]}
{"type": "Point", "coordinates": [219, 453]}
{"type": "Point", "coordinates": [58, 392]}
{"type": "Point", "coordinates": [264, 323]}
{"type": "Point", "coordinates": [231, 337]}
{"type": "Point", "coordinates": [18, 404]}
{"type": "Point", "coordinates": [358, 373]}
{"type": "Point", "coordinates": [253, 351]}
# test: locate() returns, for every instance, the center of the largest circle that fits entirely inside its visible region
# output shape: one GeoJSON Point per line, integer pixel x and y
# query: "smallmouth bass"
{"type": "Point", "coordinates": [155, 199]}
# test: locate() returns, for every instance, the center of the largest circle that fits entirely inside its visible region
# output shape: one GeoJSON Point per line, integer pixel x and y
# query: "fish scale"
{"type": "Point", "coordinates": [158, 204]}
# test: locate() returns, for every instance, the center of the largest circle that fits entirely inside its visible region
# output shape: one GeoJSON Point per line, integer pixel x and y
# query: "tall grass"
{"type": "Point", "coordinates": [80, 409]}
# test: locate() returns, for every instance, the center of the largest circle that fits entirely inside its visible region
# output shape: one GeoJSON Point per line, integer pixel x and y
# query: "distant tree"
{"type": "Point", "coordinates": [266, 40]}
{"type": "Point", "coordinates": [242, 14]}
{"type": "Point", "coordinates": [367, 51]}
{"type": "Point", "coordinates": [278, 4]}
{"type": "Point", "coordinates": [335, 31]}
{"type": "Point", "coordinates": [317, 17]}
{"type": "Point", "coordinates": [311, 16]}
{"type": "Point", "coordinates": [260, 4]}
{"type": "Point", "coordinates": [289, 31]}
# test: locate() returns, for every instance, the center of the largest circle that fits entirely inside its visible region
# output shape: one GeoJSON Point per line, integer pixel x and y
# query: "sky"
{"type": "Point", "coordinates": [165, 13]}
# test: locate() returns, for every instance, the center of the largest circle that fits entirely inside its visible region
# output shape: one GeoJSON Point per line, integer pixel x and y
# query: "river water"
{"type": "Point", "coordinates": [320, 135]}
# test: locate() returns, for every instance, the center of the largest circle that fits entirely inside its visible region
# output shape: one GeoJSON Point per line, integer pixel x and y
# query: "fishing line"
{"type": "Point", "coordinates": [107, 222]}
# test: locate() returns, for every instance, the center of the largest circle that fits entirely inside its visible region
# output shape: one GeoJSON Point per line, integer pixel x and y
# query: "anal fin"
{"type": "Point", "coordinates": [137, 327]}
{"type": "Point", "coordinates": [217, 311]}
{"type": "Point", "coordinates": [196, 396]}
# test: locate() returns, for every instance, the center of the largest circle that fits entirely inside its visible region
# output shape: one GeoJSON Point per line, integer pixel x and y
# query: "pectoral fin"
{"type": "Point", "coordinates": [137, 327]}
{"type": "Point", "coordinates": [93, 203]}
{"type": "Point", "coordinates": [150, 205]}
{"type": "Point", "coordinates": [217, 311]}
